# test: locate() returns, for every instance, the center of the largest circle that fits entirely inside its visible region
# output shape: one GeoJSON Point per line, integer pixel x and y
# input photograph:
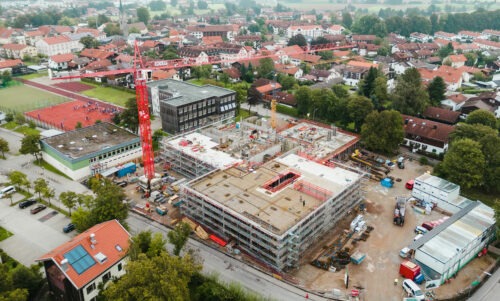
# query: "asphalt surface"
{"type": "Point", "coordinates": [490, 291]}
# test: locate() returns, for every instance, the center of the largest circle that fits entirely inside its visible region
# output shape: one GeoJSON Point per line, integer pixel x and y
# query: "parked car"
{"type": "Point", "coordinates": [68, 228]}
{"type": "Point", "coordinates": [38, 208]}
{"type": "Point", "coordinates": [409, 184]}
{"type": "Point", "coordinates": [27, 203]}
{"type": "Point", "coordinates": [122, 183]}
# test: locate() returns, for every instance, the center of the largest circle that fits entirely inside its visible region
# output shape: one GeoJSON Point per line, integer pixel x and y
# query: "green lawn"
{"type": "Point", "coordinates": [23, 98]}
{"type": "Point", "coordinates": [10, 125]}
{"type": "Point", "coordinates": [26, 130]}
{"type": "Point", "coordinates": [34, 75]}
{"type": "Point", "coordinates": [4, 234]}
{"type": "Point", "coordinates": [111, 95]}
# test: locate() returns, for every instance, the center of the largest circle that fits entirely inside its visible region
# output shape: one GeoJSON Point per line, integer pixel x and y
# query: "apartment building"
{"type": "Point", "coordinates": [57, 45]}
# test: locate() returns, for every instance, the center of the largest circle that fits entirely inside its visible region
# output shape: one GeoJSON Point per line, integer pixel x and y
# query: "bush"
{"type": "Point", "coordinates": [423, 160]}
{"type": "Point", "coordinates": [287, 110]}
{"type": "Point", "coordinates": [9, 117]}
{"type": "Point", "coordinates": [31, 124]}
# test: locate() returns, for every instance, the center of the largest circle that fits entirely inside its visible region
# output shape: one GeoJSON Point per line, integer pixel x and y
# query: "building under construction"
{"type": "Point", "coordinates": [274, 212]}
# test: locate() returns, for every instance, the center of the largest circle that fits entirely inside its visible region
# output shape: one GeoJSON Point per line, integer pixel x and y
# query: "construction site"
{"type": "Point", "coordinates": [275, 212]}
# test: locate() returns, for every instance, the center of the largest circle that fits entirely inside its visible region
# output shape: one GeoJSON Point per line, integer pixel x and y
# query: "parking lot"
{"type": "Point", "coordinates": [34, 234]}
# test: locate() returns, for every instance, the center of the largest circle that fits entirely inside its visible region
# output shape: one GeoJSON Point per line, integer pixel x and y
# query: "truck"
{"type": "Point", "coordinates": [161, 210]}
{"type": "Point", "coordinates": [126, 169]}
{"type": "Point", "coordinates": [399, 211]}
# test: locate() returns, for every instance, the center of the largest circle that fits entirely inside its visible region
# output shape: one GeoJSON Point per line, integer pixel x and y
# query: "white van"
{"type": "Point", "coordinates": [412, 288]}
{"type": "Point", "coordinates": [418, 237]}
{"type": "Point", "coordinates": [6, 191]}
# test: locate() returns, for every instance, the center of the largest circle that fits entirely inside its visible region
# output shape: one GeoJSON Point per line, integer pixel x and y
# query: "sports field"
{"type": "Point", "coordinates": [23, 98]}
{"type": "Point", "coordinates": [110, 95]}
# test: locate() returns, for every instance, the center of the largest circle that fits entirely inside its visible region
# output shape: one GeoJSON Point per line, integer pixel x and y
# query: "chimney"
{"type": "Point", "coordinates": [64, 264]}
{"type": "Point", "coordinates": [92, 239]}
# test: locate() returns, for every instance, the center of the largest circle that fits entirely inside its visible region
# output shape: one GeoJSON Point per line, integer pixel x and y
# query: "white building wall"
{"type": "Point", "coordinates": [429, 149]}
{"type": "Point", "coordinates": [114, 273]}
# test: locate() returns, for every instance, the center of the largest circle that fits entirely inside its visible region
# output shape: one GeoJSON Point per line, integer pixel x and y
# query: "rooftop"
{"type": "Point", "coordinates": [438, 182]}
{"type": "Point", "coordinates": [185, 93]}
{"type": "Point", "coordinates": [277, 195]}
{"type": "Point", "coordinates": [87, 259]}
{"type": "Point", "coordinates": [84, 141]}
{"type": "Point", "coordinates": [203, 148]}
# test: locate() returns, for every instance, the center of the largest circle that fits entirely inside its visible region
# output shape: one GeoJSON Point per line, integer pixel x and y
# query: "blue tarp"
{"type": "Point", "coordinates": [386, 182]}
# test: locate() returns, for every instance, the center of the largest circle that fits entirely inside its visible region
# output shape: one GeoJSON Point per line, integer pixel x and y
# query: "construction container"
{"type": "Point", "coordinates": [419, 279]}
{"type": "Point", "coordinates": [126, 169]}
{"type": "Point", "coordinates": [358, 257]}
{"type": "Point", "coordinates": [161, 210]}
{"type": "Point", "coordinates": [409, 269]}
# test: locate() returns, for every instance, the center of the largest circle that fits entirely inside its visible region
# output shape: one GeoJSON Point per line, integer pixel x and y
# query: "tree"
{"type": "Point", "coordinates": [143, 15]}
{"type": "Point", "coordinates": [4, 146]}
{"type": "Point", "coordinates": [49, 193]}
{"type": "Point", "coordinates": [303, 97]}
{"type": "Point", "coordinates": [445, 50]}
{"type": "Point", "coordinates": [39, 186]}
{"type": "Point", "coordinates": [157, 5]}
{"type": "Point", "coordinates": [464, 164]}
{"type": "Point", "coordinates": [254, 97]}
{"type": "Point", "coordinates": [101, 19]}
{"type": "Point", "coordinates": [410, 97]}
{"type": "Point", "coordinates": [367, 85]}
{"type": "Point", "coordinates": [202, 4]}
{"type": "Point", "coordinates": [89, 42]}
{"type": "Point", "coordinates": [266, 68]}
{"type": "Point", "coordinates": [112, 29]}
{"type": "Point", "coordinates": [162, 277]}
{"type": "Point", "coordinates": [370, 24]}
{"type": "Point", "coordinates": [436, 90]}
{"type": "Point", "coordinates": [347, 19]}
{"type": "Point", "coordinates": [179, 236]}
{"type": "Point", "coordinates": [24, 278]}
{"type": "Point", "coordinates": [482, 117]}
{"type": "Point", "coordinates": [6, 78]}
{"type": "Point", "coordinates": [383, 131]}
{"type": "Point", "coordinates": [298, 40]}
{"type": "Point", "coordinates": [68, 199]}
{"type": "Point", "coordinates": [107, 205]}
{"type": "Point", "coordinates": [379, 94]}
{"type": "Point", "coordinates": [129, 116]}
{"type": "Point", "coordinates": [18, 179]}
{"type": "Point", "coordinates": [146, 242]}
{"type": "Point", "coordinates": [287, 82]}
{"type": "Point", "coordinates": [358, 108]}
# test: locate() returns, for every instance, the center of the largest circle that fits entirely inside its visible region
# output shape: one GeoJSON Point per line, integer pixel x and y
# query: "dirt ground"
{"type": "Point", "coordinates": [375, 275]}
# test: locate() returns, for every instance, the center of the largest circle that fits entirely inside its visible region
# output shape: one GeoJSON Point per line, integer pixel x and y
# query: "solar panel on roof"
{"type": "Point", "coordinates": [79, 259]}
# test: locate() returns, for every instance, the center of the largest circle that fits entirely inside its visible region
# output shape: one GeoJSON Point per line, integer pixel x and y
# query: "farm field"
{"type": "Point", "coordinates": [23, 98]}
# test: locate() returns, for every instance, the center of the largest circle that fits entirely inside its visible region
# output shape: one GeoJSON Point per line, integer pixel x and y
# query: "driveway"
{"type": "Point", "coordinates": [34, 234]}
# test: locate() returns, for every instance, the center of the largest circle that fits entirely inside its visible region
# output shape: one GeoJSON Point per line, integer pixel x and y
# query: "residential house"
{"type": "Point", "coordinates": [355, 71]}
{"type": "Point", "coordinates": [211, 40]}
{"type": "Point", "coordinates": [267, 87]}
{"type": "Point", "coordinates": [195, 54]}
{"type": "Point", "coordinates": [466, 35]}
{"type": "Point", "coordinates": [426, 135]}
{"type": "Point", "coordinates": [32, 36]}
{"type": "Point", "coordinates": [487, 44]}
{"type": "Point", "coordinates": [204, 30]}
{"type": "Point", "coordinates": [61, 61]}
{"type": "Point", "coordinates": [489, 33]}
{"type": "Point", "coordinates": [451, 76]}
{"type": "Point", "coordinates": [165, 74]}
{"type": "Point", "coordinates": [79, 268]}
{"type": "Point", "coordinates": [456, 60]}
{"type": "Point", "coordinates": [454, 101]}
{"type": "Point", "coordinates": [446, 36]}
{"type": "Point", "coordinates": [489, 101]}
{"type": "Point", "coordinates": [367, 38]}
{"type": "Point", "coordinates": [140, 27]}
{"type": "Point", "coordinates": [466, 47]}
{"type": "Point", "coordinates": [441, 115]}
{"type": "Point", "coordinates": [57, 45]}
{"type": "Point", "coordinates": [285, 54]}
{"type": "Point", "coordinates": [7, 65]}
{"type": "Point", "coordinates": [6, 35]}
{"type": "Point", "coordinates": [17, 51]}
{"type": "Point", "coordinates": [321, 75]}
{"type": "Point", "coordinates": [97, 54]}
{"type": "Point", "coordinates": [304, 57]}
{"type": "Point", "coordinates": [291, 70]}
{"type": "Point", "coordinates": [233, 73]}
{"type": "Point", "coordinates": [283, 98]}
{"type": "Point", "coordinates": [308, 31]}
{"type": "Point", "coordinates": [99, 35]}
{"type": "Point", "coordinates": [420, 37]}
{"type": "Point", "coordinates": [335, 29]}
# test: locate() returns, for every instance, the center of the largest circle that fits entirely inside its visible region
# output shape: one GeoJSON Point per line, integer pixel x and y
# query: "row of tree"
{"type": "Point", "coordinates": [405, 25]}
{"type": "Point", "coordinates": [17, 282]}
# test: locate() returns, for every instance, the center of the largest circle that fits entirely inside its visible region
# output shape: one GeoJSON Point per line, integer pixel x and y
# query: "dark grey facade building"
{"type": "Point", "coordinates": [184, 106]}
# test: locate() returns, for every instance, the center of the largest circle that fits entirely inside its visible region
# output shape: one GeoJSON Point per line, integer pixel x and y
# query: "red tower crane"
{"type": "Point", "coordinates": [140, 80]}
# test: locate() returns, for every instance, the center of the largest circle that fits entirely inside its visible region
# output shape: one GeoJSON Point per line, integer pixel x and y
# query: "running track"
{"type": "Point", "coordinates": [62, 92]}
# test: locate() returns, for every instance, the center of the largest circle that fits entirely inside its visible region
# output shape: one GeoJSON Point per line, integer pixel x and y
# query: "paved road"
{"type": "Point", "coordinates": [229, 269]}
{"type": "Point", "coordinates": [490, 291]}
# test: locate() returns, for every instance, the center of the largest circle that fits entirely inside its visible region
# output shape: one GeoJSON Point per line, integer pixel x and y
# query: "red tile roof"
{"type": "Point", "coordinates": [92, 31]}
{"type": "Point", "coordinates": [448, 74]}
{"type": "Point", "coordinates": [61, 58]}
{"type": "Point", "coordinates": [457, 58]}
{"type": "Point", "coordinates": [362, 64]}
{"type": "Point", "coordinates": [163, 74]}
{"type": "Point", "coordinates": [14, 46]}
{"type": "Point", "coordinates": [57, 40]}
{"type": "Point", "coordinates": [268, 88]}
{"type": "Point", "coordinates": [457, 98]}
{"type": "Point", "coordinates": [427, 129]}
{"type": "Point", "coordinates": [108, 235]}
{"type": "Point", "coordinates": [95, 54]}
{"type": "Point", "coordinates": [34, 33]}
{"type": "Point", "coordinates": [10, 63]}
{"type": "Point", "coordinates": [310, 58]}
{"type": "Point", "coordinates": [212, 40]}
{"type": "Point", "coordinates": [440, 114]}
{"type": "Point", "coordinates": [292, 50]}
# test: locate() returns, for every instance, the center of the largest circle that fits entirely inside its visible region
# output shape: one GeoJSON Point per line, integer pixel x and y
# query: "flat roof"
{"type": "Point", "coordinates": [88, 140]}
{"type": "Point", "coordinates": [320, 141]}
{"type": "Point", "coordinates": [458, 231]}
{"type": "Point", "coordinates": [437, 182]}
{"type": "Point", "coordinates": [203, 148]}
{"type": "Point", "coordinates": [185, 93]}
{"type": "Point", "coordinates": [244, 191]}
